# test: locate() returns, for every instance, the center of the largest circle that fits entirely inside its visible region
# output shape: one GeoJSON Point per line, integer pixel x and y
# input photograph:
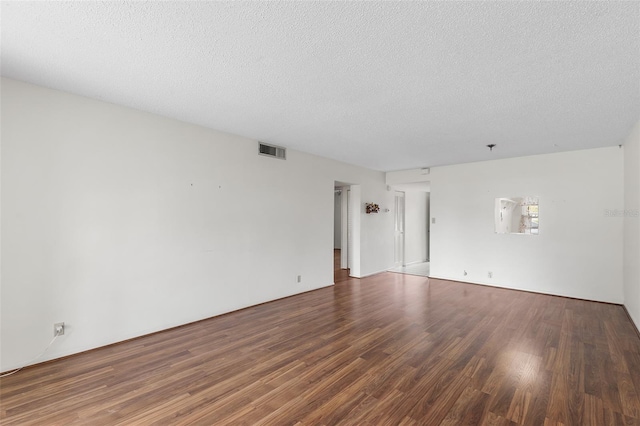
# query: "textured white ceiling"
{"type": "Point", "coordinates": [386, 85]}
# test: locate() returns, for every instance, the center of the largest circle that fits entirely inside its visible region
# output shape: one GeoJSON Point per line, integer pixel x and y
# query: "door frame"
{"type": "Point", "coordinates": [399, 229]}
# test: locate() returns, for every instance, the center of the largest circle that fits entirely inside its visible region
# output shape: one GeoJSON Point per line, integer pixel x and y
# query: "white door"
{"type": "Point", "coordinates": [399, 229]}
{"type": "Point", "coordinates": [344, 263]}
{"type": "Point", "coordinates": [428, 225]}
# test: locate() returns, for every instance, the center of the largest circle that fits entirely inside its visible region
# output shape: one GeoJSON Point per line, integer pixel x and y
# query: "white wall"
{"type": "Point", "coordinates": [415, 235]}
{"type": "Point", "coordinates": [579, 250]}
{"type": "Point", "coordinates": [376, 230]}
{"type": "Point", "coordinates": [122, 223]}
{"type": "Point", "coordinates": [428, 226]}
{"type": "Point", "coordinates": [631, 225]}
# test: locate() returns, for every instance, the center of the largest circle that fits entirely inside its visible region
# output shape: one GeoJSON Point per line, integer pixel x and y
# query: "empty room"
{"type": "Point", "coordinates": [320, 213]}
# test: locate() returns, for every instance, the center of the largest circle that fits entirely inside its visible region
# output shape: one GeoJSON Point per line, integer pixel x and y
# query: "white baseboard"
{"type": "Point", "coordinates": [416, 262]}
{"type": "Point", "coordinates": [372, 273]}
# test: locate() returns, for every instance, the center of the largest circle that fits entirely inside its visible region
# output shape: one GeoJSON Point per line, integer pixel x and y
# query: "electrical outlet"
{"type": "Point", "coordinates": [490, 274]}
{"type": "Point", "coordinates": [299, 278]}
{"type": "Point", "coordinates": [58, 329]}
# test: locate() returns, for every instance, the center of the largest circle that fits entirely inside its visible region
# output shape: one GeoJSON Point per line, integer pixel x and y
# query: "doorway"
{"type": "Point", "coordinates": [342, 242]}
{"type": "Point", "coordinates": [412, 229]}
{"type": "Point", "coordinates": [399, 229]}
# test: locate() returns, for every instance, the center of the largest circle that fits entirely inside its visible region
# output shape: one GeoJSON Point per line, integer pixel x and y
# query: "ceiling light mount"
{"type": "Point", "coordinates": [490, 146]}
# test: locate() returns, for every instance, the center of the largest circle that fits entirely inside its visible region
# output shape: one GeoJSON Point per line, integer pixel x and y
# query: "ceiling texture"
{"type": "Point", "coordinates": [385, 85]}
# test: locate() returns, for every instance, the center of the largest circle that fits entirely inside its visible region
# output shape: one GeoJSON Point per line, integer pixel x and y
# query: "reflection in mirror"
{"type": "Point", "coordinates": [517, 215]}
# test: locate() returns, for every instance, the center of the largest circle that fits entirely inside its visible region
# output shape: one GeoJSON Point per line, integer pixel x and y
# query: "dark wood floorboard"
{"type": "Point", "coordinates": [389, 349]}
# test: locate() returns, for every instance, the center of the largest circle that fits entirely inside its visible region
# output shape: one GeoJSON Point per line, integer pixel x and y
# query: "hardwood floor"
{"type": "Point", "coordinates": [339, 275]}
{"type": "Point", "coordinates": [389, 349]}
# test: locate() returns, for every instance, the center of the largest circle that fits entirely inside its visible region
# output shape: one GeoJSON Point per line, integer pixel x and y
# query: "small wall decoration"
{"type": "Point", "coordinates": [372, 208]}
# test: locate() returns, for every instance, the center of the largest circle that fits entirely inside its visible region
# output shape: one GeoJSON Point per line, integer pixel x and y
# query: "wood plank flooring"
{"type": "Point", "coordinates": [339, 275]}
{"type": "Point", "coordinates": [391, 349]}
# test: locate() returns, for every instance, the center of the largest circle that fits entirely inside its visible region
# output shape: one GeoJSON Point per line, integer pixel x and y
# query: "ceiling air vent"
{"type": "Point", "coordinates": [272, 151]}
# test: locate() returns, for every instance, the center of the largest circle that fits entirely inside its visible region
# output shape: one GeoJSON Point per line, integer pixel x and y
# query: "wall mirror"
{"type": "Point", "coordinates": [517, 215]}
